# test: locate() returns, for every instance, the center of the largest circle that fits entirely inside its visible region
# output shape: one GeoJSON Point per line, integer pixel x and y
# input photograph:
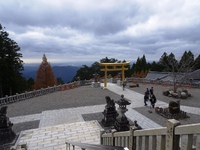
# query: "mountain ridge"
{"type": "Point", "coordinates": [66, 73]}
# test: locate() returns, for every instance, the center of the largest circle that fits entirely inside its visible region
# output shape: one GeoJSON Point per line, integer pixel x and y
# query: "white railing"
{"type": "Point", "coordinates": [35, 93]}
{"type": "Point", "coordinates": [172, 137]}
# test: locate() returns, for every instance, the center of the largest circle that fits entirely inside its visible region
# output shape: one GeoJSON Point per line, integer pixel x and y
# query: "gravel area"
{"type": "Point", "coordinates": [81, 96]}
{"type": "Point", "coordinates": [193, 101]}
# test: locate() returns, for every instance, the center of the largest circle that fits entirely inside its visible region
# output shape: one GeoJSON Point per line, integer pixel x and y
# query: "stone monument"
{"type": "Point", "coordinates": [7, 136]}
{"type": "Point", "coordinates": [122, 123]}
{"type": "Point", "coordinates": [109, 113]}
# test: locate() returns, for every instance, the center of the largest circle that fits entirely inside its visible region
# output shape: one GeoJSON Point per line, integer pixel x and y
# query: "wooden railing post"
{"type": "Point", "coordinates": [113, 138]}
{"type": "Point", "coordinates": [172, 142]}
{"type": "Point", "coordinates": [101, 138]}
{"type": "Point", "coordinates": [132, 139]}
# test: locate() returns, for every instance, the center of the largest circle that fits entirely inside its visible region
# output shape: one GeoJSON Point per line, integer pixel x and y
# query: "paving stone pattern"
{"type": "Point", "coordinates": [55, 137]}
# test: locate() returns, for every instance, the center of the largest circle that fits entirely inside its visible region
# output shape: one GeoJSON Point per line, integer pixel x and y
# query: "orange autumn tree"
{"type": "Point", "coordinates": [45, 76]}
{"type": "Point", "coordinates": [141, 74]}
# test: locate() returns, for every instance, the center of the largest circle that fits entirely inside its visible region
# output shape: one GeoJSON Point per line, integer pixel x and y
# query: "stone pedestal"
{"type": "Point", "coordinates": [122, 123]}
{"type": "Point", "coordinates": [109, 113]}
{"type": "Point", "coordinates": [119, 82]}
{"type": "Point", "coordinates": [7, 136]}
{"type": "Point", "coordinates": [95, 84]}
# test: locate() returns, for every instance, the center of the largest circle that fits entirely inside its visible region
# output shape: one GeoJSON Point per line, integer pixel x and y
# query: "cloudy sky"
{"type": "Point", "coordinates": [73, 31]}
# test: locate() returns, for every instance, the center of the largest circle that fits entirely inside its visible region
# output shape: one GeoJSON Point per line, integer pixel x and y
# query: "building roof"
{"type": "Point", "coordinates": [168, 76]}
{"type": "Point", "coordinates": [195, 75]}
{"type": "Point", "coordinates": [154, 75]}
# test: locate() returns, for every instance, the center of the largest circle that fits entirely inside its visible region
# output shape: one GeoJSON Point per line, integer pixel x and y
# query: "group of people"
{"type": "Point", "coordinates": [149, 96]}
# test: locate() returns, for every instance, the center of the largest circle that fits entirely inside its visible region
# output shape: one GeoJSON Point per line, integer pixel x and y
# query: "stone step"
{"type": "Point", "coordinates": [54, 137]}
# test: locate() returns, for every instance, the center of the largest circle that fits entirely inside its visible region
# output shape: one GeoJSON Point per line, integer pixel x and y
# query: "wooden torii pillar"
{"type": "Point", "coordinates": [113, 67]}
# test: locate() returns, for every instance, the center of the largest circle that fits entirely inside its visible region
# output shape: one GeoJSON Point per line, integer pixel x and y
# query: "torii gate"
{"type": "Point", "coordinates": [115, 67]}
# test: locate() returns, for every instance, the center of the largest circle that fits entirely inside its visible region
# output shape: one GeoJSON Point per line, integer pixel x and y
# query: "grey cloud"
{"type": "Point", "coordinates": [98, 21]}
{"type": "Point", "coordinates": [125, 31]}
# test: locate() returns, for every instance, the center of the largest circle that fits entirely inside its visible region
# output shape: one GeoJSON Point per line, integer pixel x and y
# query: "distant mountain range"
{"type": "Point", "coordinates": [65, 72]}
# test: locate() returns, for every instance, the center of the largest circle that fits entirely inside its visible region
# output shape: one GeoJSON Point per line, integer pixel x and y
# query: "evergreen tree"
{"type": "Point", "coordinates": [30, 84]}
{"type": "Point", "coordinates": [45, 76]}
{"type": "Point", "coordinates": [60, 81]}
{"type": "Point", "coordinates": [140, 68]}
{"type": "Point", "coordinates": [10, 65]}
{"type": "Point", "coordinates": [95, 68]}
{"type": "Point", "coordinates": [84, 73]}
{"type": "Point", "coordinates": [197, 63]}
{"type": "Point", "coordinates": [163, 61]}
{"type": "Point", "coordinates": [187, 62]}
{"type": "Point", "coordinates": [156, 66]}
{"type": "Point", "coordinates": [144, 63]}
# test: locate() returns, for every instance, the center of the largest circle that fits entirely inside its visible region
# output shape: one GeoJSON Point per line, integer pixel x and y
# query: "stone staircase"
{"type": "Point", "coordinates": [54, 137]}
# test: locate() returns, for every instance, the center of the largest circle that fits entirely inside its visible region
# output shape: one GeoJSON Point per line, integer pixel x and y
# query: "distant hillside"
{"type": "Point", "coordinates": [65, 72]}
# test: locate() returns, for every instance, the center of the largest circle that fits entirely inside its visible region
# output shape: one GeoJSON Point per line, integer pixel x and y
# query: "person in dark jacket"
{"type": "Point", "coordinates": [124, 85]}
{"type": "Point", "coordinates": [153, 100]}
{"type": "Point", "coordinates": [151, 91]}
{"type": "Point", "coordinates": [146, 98]}
{"type": "Point", "coordinates": [147, 92]}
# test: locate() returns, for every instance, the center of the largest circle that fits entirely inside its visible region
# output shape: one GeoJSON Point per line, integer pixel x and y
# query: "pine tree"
{"type": "Point", "coordinates": [197, 63]}
{"type": "Point", "coordinates": [187, 62]}
{"type": "Point", "coordinates": [11, 80]}
{"type": "Point", "coordinates": [140, 68]}
{"type": "Point", "coordinates": [45, 76]}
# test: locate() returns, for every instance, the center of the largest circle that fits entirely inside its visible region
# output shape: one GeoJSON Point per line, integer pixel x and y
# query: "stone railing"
{"type": "Point", "coordinates": [172, 137]}
{"type": "Point", "coordinates": [35, 93]}
{"type": "Point", "coordinates": [85, 82]}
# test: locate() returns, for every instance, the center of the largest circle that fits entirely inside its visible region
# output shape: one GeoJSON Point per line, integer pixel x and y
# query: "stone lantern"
{"type": "Point", "coordinates": [122, 123]}
{"type": "Point", "coordinates": [95, 83]}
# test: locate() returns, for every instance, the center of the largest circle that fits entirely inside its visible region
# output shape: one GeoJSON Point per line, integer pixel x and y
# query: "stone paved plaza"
{"type": "Point", "coordinates": [67, 107]}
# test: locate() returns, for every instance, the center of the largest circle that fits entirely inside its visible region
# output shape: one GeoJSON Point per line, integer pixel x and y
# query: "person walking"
{"type": "Point", "coordinates": [151, 91]}
{"type": "Point", "coordinates": [147, 92]}
{"type": "Point", "coordinates": [146, 98]}
{"type": "Point", "coordinates": [124, 85]}
{"type": "Point", "coordinates": [153, 101]}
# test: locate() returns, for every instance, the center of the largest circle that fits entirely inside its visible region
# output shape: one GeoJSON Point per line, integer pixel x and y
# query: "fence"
{"type": "Point", "coordinates": [40, 92]}
{"type": "Point", "coordinates": [172, 137]}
